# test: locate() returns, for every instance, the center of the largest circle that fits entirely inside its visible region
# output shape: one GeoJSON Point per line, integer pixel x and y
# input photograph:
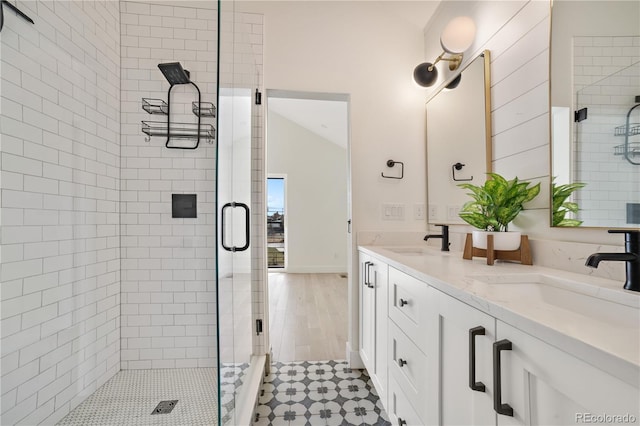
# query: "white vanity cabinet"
{"type": "Point", "coordinates": [544, 385]}
{"type": "Point", "coordinates": [373, 320]}
{"type": "Point", "coordinates": [437, 357]}
{"type": "Point", "coordinates": [463, 336]}
{"type": "Point", "coordinates": [537, 384]}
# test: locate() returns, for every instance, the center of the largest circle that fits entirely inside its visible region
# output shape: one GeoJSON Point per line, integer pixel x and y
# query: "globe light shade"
{"type": "Point", "coordinates": [423, 76]}
{"type": "Point", "coordinates": [454, 83]}
{"type": "Point", "coordinates": [458, 35]}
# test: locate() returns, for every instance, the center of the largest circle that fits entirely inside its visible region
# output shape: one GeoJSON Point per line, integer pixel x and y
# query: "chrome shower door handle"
{"type": "Point", "coordinates": [247, 227]}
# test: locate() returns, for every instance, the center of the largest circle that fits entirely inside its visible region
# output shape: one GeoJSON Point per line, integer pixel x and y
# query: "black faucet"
{"type": "Point", "coordinates": [445, 237]}
{"type": "Point", "coordinates": [631, 257]}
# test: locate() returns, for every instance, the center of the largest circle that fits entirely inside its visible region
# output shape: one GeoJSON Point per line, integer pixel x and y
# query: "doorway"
{"type": "Point", "coordinates": [307, 146]}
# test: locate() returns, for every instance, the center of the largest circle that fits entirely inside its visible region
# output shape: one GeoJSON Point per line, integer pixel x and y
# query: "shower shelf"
{"type": "Point", "coordinates": [633, 149]}
{"type": "Point", "coordinates": [179, 130]}
{"type": "Point", "coordinates": [155, 106]}
{"type": "Point", "coordinates": [205, 109]}
{"type": "Point", "coordinates": [634, 129]}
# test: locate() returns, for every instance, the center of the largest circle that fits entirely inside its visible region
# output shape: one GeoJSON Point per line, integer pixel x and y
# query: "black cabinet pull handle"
{"type": "Point", "coordinates": [401, 422]}
{"type": "Point", "coordinates": [473, 332]}
{"type": "Point", "coordinates": [401, 362]}
{"type": "Point", "coordinates": [403, 302]}
{"type": "Point", "coordinates": [366, 273]}
{"type": "Point", "coordinates": [498, 406]}
{"type": "Point", "coordinates": [369, 284]}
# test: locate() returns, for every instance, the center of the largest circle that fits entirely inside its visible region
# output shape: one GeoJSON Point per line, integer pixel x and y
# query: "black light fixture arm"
{"type": "Point", "coordinates": [391, 163]}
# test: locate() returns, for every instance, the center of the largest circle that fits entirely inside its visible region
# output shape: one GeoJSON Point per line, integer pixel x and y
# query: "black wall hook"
{"type": "Point", "coordinates": [459, 166]}
{"type": "Point", "coordinates": [391, 163]}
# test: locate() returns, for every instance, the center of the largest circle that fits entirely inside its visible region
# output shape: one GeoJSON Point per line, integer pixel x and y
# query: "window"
{"type": "Point", "coordinates": [275, 222]}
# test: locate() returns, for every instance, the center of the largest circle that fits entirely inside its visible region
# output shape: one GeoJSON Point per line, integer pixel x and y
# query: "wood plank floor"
{"type": "Point", "coordinates": [308, 316]}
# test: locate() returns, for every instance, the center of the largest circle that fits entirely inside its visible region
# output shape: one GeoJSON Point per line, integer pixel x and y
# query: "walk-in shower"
{"type": "Point", "coordinates": [124, 298]}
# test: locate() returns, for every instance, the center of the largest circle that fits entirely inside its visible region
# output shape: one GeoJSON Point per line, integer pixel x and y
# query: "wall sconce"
{"type": "Point", "coordinates": [456, 38]}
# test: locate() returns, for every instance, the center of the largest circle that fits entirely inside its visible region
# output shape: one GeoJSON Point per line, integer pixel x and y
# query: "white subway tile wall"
{"type": "Point", "coordinates": [60, 276]}
{"type": "Point", "coordinates": [168, 264]}
{"type": "Point", "coordinates": [86, 201]}
{"type": "Point", "coordinates": [606, 81]}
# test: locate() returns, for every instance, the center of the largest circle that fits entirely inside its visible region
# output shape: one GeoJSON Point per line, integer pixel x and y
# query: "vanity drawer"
{"type": "Point", "coordinates": [400, 408]}
{"type": "Point", "coordinates": [408, 365]}
{"type": "Point", "coordinates": [409, 307]}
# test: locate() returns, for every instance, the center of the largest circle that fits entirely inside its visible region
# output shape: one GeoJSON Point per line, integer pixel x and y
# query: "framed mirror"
{"type": "Point", "coordinates": [458, 140]}
{"type": "Point", "coordinates": [595, 113]}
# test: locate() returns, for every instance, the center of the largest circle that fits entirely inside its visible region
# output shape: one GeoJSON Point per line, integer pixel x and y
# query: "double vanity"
{"type": "Point", "coordinates": [456, 342]}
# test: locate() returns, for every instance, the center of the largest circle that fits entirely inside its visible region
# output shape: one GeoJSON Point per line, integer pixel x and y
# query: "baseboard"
{"type": "Point", "coordinates": [248, 398]}
{"type": "Point", "coordinates": [353, 358]}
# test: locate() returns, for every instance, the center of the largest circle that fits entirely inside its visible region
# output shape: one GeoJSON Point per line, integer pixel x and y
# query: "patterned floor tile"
{"type": "Point", "coordinates": [314, 393]}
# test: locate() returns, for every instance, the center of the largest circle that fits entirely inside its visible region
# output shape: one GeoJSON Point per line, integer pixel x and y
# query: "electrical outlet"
{"type": "Point", "coordinates": [418, 211]}
{"type": "Point", "coordinates": [433, 212]}
{"type": "Point", "coordinates": [452, 212]}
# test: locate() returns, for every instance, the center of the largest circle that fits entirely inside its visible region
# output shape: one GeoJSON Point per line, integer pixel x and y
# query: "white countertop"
{"type": "Point", "coordinates": [601, 340]}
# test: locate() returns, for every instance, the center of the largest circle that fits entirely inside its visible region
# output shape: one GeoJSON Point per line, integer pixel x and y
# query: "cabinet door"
{"type": "Point", "coordinates": [546, 386]}
{"type": "Point", "coordinates": [367, 313]}
{"type": "Point", "coordinates": [463, 337]}
{"type": "Point", "coordinates": [379, 280]}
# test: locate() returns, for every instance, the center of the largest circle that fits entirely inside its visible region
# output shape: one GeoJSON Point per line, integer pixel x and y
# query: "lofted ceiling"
{"type": "Point", "coordinates": [327, 119]}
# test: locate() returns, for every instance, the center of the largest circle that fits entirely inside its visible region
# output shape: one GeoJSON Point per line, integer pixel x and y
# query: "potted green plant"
{"type": "Point", "coordinates": [560, 207]}
{"type": "Point", "coordinates": [494, 206]}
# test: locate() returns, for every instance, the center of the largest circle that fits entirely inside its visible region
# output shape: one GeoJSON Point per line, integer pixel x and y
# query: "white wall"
{"type": "Point", "coordinates": [60, 213]}
{"type": "Point", "coordinates": [316, 204]}
{"type": "Point", "coordinates": [168, 264]}
{"type": "Point", "coordinates": [369, 51]}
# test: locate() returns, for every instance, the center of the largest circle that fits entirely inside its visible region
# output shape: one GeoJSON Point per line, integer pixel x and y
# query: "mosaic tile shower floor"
{"type": "Point", "coordinates": [318, 393]}
{"type": "Point", "coordinates": [131, 395]}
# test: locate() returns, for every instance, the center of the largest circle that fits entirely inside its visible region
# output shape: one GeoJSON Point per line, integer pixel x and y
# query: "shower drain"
{"type": "Point", "coordinates": [165, 407]}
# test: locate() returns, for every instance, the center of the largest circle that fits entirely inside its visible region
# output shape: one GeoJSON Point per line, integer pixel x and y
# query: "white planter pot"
{"type": "Point", "coordinates": [501, 240]}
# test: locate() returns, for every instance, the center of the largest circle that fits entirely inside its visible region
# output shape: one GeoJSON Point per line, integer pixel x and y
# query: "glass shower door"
{"type": "Point", "coordinates": [234, 262]}
{"type": "Point", "coordinates": [237, 77]}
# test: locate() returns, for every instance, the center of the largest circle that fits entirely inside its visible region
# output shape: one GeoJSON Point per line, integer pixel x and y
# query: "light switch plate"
{"type": "Point", "coordinates": [392, 211]}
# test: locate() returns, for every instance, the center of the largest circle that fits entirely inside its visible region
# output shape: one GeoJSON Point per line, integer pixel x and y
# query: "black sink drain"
{"type": "Point", "coordinates": [165, 407]}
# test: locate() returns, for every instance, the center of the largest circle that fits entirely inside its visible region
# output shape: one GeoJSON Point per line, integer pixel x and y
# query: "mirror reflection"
{"type": "Point", "coordinates": [458, 141]}
{"type": "Point", "coordinates": [595, 113]}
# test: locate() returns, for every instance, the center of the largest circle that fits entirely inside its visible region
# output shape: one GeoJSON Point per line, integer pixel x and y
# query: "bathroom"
{"type": "Point", "coordinates": [68, 170]}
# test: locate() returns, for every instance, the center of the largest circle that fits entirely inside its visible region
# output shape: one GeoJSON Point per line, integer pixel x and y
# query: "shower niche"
{"type": "Point", "coordinates": [179, 131]}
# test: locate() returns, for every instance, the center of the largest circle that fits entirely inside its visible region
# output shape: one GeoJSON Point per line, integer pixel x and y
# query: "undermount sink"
{"type": "Point", "coordinates": [412, 251]}
{"type": "Point", "coordinates": [617, 307]}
